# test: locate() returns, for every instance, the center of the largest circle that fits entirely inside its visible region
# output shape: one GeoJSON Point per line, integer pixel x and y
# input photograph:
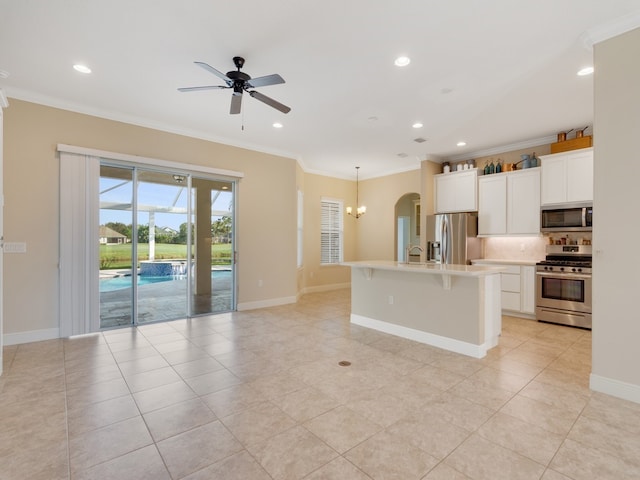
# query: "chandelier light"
{"type": "Point", "coordinates": [359, 210]}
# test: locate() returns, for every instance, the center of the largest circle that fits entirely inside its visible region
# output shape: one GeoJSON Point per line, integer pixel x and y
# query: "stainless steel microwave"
{"type": "Point", "coordinates": [569, 218]}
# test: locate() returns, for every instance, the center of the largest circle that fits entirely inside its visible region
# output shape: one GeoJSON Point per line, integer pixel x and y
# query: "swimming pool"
{"type": "Point", "coordinates": [122, 282]}
{"type": "Point", "coordinates": [118, 283]}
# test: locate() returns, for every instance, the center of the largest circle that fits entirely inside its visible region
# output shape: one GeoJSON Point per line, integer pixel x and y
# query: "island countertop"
{"type": "Point", "coordinates": [428, 268]}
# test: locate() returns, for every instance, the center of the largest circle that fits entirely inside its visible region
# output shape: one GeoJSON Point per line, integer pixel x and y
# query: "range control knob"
{"type": "Point", "coordinates": [562, 269]}
{"type": "Point", "coordinates": [574, 270]}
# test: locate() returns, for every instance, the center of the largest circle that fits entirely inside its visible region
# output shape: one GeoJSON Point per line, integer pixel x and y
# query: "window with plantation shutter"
{"type": "Point", "coordinates": [330, 231]}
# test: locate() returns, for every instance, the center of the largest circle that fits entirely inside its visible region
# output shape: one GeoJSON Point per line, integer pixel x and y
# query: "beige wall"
{"type": "Point", "coordinates": [376, 237]}
{"type": "Point", "coordinates": [266, 206]}
{"type": "Point", "coordinates": [616, 263]}
{"type": "Point", "coordinates": [316, 187]}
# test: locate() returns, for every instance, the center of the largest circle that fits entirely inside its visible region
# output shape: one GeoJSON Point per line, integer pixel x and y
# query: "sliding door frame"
{"type": "Point", "coordinates": [79, 304]}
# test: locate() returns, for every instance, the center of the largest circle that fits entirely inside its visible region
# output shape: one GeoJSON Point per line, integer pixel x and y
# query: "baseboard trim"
{"type": "Point", "coordinates": [615, 388]}
{"type": "Point", "coordinates": [31, 336]}
{"type": "Point", "coordinates": [271, 302]}
{"type": "Point", "coordinates": [326, 288]}
{"type": "Point", "coordinates": [457, 346]}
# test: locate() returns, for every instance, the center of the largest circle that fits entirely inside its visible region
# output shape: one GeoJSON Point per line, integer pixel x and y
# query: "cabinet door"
{"type": "Point", "coordinates": [467, 191]}
{"type": "Point", "coordinates": [445, 193]}
{"type": "Point", "coordinates": [554, 180]}
{"type": "Point", "coordinates": [580, 177]}
{"type": "Point", "coordinates": [456, 192]}
{"type": "Point", "coordinates": [528, 289]}
{"type": "Point", "coordinates": [523, 197]}
{"type": "Point", "coordinates": [492, 205]}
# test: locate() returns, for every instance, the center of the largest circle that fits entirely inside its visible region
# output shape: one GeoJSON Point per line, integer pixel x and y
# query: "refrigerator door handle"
{"type": "Point", "coordinates": [444, 241]}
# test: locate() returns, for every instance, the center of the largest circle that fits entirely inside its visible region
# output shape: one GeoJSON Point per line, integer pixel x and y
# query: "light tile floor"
{"type": "Point", "coordinates": [260, 395]}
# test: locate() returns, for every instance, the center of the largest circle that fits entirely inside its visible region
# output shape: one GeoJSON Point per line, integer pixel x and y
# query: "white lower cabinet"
{"type": "Point", "coordinates": [528, 282]}
{"type": "Point", "coordinates": [518, 290]}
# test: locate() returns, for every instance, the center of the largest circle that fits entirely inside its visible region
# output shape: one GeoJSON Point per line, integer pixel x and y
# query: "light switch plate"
{"type": "Point", "coordinates": [15, 247]}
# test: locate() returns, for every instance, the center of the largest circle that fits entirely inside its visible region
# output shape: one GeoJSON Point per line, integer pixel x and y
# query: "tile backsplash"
{"type": "Point", "coordinates": [527, 248]}
{"type": "Point", "coordinates": [514, 248]}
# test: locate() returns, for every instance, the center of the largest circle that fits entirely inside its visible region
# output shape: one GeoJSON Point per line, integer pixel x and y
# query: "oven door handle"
{"type": "Point", "coordinates": [565, 275]}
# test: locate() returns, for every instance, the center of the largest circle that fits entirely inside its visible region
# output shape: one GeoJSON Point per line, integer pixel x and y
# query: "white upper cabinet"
{"type": "Point", "coordinates": [456, 191]}
{"type": "Point", "coordinates": [523, 202]}
{"type": "Point", "coordinates": [492, 204]}
{"type": "Point", "coordinates": [567, 177]}
{"type": "Point", "coordinates": [509, 203]}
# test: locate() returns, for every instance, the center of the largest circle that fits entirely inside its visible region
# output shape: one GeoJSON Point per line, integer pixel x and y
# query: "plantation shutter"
{"type": "Point", "coordinates": [331, 232]}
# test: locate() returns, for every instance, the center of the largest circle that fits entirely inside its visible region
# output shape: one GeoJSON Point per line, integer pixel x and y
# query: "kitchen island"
{"type": "Point", "coordinates": [455, 307]}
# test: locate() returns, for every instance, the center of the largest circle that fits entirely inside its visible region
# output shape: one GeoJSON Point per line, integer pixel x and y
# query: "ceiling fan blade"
{"type": "Point", "coordinates": [236, 103]}
{"type": "Point", "coordinates": [217, 73]}
{"type": "Point", "coordinates": [208, 87]}
{"type": "Point", "coordinates": [270, 101]}
{"type": "Point", "coordinates": [266, 80]}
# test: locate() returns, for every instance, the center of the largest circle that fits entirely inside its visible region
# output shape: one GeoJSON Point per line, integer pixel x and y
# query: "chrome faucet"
{"type": "Point", "coordinates": [410, 249]}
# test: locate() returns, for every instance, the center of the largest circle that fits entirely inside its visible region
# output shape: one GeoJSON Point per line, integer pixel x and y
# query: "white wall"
{"type": "Point", "coordinates": [616, 263]}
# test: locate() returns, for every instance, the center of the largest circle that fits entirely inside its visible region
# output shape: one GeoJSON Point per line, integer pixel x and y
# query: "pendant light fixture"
{"type": "Point", "coordinates": [359, 210]}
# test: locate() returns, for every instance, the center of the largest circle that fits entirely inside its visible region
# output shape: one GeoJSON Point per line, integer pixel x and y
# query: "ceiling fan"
{"type": "Point", "coordinates": [241, 82]}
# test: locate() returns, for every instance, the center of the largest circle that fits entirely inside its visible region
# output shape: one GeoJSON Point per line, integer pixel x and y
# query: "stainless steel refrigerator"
{"type": "Point", "coordinates": [452, 238]}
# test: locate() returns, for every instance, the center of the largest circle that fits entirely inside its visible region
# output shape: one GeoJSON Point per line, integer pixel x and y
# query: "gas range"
{"type": "Point", "coordinates": [563, 286]}
{"type": "Point", "coordinates": [566, 259]}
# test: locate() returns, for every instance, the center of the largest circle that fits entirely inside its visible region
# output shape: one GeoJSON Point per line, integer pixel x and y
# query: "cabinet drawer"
{"type": "Point", "coordinates": [511, 269]}
{"type": "Point", "coordinates": [511, 283]}
{"type": "Point", "coordinates": [511, 301]}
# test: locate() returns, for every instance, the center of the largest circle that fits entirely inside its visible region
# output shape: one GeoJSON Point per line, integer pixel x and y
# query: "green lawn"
{"type": "Point", "coordinates": [119, 256]}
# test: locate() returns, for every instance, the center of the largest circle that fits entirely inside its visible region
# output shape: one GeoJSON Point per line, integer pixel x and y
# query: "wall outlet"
{"type": "Point", "coordinates": [260, 283]}
{"type": "Point", "coordinates": [390, 299]}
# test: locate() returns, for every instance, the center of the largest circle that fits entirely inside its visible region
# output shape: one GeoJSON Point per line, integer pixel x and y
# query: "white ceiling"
{"type": "Point", "coordinates": [509, 66]}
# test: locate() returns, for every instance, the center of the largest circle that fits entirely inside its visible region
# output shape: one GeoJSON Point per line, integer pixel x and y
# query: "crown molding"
{"type": "Point", "coordinates": [141, 122]}
{"type": "Point", "coordinates": [611, 29]}
{"type": "Point", "coordinates": [534, 142]}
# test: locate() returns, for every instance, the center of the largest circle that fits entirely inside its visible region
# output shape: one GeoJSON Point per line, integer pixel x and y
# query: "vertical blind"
{"type": "Point", "coordinates": [331, 231]}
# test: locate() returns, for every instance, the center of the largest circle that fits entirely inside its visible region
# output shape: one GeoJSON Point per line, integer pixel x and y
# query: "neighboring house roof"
{"type": "Point", "coordinates": [106, 232]}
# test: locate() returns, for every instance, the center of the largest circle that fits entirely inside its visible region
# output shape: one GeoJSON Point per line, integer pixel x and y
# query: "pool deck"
{"type": "Point", "coordinates": [161, 301]}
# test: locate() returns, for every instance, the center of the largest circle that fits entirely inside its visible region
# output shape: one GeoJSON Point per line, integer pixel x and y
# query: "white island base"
{"type": "Point", "coordinates": [454, 307]}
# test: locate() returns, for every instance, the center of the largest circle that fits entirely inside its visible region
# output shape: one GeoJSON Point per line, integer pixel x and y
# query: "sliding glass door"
{"type": "Point", "coordinates": [166, 243]}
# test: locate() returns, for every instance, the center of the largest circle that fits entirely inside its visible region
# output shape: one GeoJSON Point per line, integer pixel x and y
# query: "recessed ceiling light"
{"type": "Point", "coordinates": [277, 125]}
{"type": "Point", "coordinates": [461, 144]}
{"type": "Point", "coordinates": [225, 188]}
{"type": "Point", "coordinates": [417, 125]}
{"type": "Point", "coordinates": [585, 71]}
{"type": "Point", "coordinates": [402, 61]}
{"type": "Point", "coordinates": [81, 68]}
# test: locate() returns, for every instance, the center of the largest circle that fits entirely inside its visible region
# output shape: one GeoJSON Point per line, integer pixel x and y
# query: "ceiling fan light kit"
{"type": "Point", "coordinates": [241, 82]}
